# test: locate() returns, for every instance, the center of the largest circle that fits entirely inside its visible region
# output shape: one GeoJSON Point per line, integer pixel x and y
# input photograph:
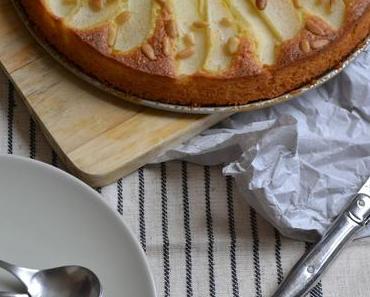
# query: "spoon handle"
{"type": "Point", "coordinates": [8, 294]}
{"type": "Point", "coordinates": [23, 274]}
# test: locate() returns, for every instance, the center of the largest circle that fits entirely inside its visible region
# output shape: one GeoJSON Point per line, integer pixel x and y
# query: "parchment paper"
{"type": "Point", "coordinates": [299, 163]}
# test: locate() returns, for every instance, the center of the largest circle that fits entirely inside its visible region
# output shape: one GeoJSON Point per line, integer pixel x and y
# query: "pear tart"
{"type": "Point", "coordinates": [203, 52]}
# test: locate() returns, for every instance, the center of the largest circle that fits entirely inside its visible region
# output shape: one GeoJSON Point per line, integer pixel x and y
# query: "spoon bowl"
{"type": "Point", "coordinates": [69, 281]}
{"type": "Point", "coordinates": [66, 281]}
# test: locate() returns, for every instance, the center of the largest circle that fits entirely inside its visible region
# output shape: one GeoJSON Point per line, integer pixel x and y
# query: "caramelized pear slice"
{"type": "Point", "coordinates": [256, 28]}
{"type": "Point", "coordinates": [62, 8]}
{"type": "Point", "coordinates": [190, 17]}
{"type": "Point", "coordinates": [332, 12]}
{"type": "Point", "coordinates": [222, 29]}
{"type": "Point", "coordinates": [282, 17]}
{"type": "Point", "coordinates": [139, 26]}
{"type": "Point", "coordinates": [86, 17]}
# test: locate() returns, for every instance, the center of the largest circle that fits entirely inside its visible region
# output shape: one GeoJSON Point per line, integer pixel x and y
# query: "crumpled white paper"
{"type": "Point", "coordinates": [299, 163]}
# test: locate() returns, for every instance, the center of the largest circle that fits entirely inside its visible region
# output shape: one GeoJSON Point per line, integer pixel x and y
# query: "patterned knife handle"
{"type": "Point", "coordinates": [308, 270]}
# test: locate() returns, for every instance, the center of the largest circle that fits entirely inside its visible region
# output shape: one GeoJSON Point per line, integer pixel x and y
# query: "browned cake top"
{"type": "Point", "coordinates": [210, 39]}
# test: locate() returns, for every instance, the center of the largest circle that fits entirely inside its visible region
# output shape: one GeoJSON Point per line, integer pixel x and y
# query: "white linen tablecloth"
{"type": "Point", "coordinates": [200, 237]}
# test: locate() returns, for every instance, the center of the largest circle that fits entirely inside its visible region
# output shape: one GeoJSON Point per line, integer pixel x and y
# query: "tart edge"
{"type": "Point", "coordinates": [155, 79]}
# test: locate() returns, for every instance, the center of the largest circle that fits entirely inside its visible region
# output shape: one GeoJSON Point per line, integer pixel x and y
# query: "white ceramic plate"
{"type": "Point", "coordinates": [49, 218]}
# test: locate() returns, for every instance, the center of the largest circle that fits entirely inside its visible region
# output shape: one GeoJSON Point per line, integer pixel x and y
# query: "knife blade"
{"type": "Point", "coordinates": [306, 273]}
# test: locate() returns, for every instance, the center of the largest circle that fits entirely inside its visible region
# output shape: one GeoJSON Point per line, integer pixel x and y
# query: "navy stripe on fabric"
{"type": "Point", "coordinates": [256, 253]}
{"type": "Point", "coordinates": [142, 228]}
{"type": "Point", "coordinates": [32, 132]}
{"type": "Point", "coordinates": [317, 290]}
{"type": "Point", "coordinates": [11, 107]}
{"type": "Point", "coordinates": [231, 219]}
{"type": "Point", "coordinates": [54, 158]}
{"type": "Point", "coordinates": [120, 196]}
{"type": "Point", "coordinates": [211, 239]}
{"type": "Point", "coordinates": [187, 230]}
{"type": "Point", "coordinates": [166, 241]}
{"type": "Point", "coordinates": [279, 266]}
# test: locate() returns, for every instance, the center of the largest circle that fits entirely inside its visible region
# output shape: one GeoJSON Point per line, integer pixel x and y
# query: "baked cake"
{"type": "Point", "coordinates": [203, 52]}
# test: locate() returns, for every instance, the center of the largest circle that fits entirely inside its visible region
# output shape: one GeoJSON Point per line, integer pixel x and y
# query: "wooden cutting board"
{"type": "Point", "coordinates": [98, 137]}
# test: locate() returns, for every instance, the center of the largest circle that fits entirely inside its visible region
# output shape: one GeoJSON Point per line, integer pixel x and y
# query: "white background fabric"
{"type": "Point", "coordinates": [200, 237]}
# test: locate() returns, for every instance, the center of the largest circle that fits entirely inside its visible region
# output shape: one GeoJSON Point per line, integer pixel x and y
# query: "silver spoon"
{"type": "Point", "coordinates": [67, 281]}
{"type": "Point", "coordinates": [9, 294]}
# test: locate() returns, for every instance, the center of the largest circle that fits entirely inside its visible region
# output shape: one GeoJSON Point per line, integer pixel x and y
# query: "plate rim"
{"type": "Point", "coordinates": [97, 197]}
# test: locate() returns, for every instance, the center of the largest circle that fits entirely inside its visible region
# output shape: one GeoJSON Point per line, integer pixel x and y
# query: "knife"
{"type": "Point", "coordinates": [305, 274]}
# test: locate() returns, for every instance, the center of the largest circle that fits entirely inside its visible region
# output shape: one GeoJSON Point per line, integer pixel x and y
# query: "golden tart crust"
{"type": "Point", "coordinates": [151, 69]}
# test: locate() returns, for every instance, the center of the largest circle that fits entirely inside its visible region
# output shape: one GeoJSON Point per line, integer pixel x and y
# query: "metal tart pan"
{"type": "Point", "coordinates": [255, 105]}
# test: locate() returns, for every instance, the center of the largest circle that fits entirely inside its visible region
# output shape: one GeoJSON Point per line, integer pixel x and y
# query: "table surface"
{"type": "Point", "coordinates": [200, 237]}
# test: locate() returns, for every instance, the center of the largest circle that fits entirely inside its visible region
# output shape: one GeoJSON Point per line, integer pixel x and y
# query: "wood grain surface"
{"type": "Point", "coordinates": [100, 138]}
